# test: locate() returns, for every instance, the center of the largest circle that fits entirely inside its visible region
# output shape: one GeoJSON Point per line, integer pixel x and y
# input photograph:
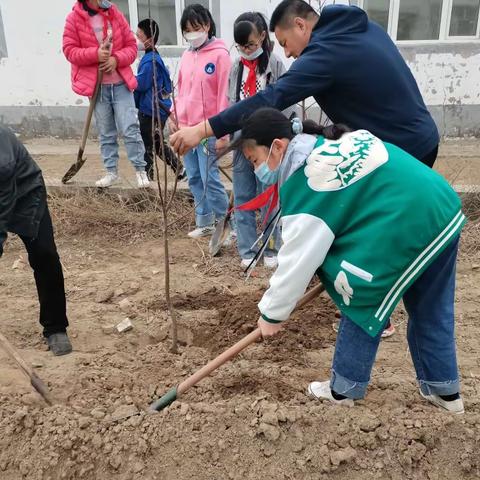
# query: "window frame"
{"type": "Point", "coordinates": [444, 34]}
{"type": "Point", "coordinates": [3, 38]}
{"type": "Point", "coordinates": [179, 7]}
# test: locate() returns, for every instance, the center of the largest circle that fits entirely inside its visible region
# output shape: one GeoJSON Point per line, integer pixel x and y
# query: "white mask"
{"type": "Point", "coordinates": [196, 39]}
{"type": "Point", "coordinates": [253, 56]}
{"type": "Point", "coordinates": [140, 46]}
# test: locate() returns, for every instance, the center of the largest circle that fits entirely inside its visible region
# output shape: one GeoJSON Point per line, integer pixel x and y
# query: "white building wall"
{"type": "Point", "coordinates": [35, 77]}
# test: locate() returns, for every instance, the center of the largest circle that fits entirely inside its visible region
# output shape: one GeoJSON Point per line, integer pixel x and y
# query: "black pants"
{"type": "Point", "coordinates": [146, 131]}
{"type": "Point", "coordinates": [430, 158]}
{"type": "Point", "coordinates": [47, 270]}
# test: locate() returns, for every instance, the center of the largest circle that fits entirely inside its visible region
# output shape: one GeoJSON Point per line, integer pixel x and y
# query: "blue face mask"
{"type": "Point", "coordinates": [264, 174]}
{"type": "Point", "coordinates": [105, 4]}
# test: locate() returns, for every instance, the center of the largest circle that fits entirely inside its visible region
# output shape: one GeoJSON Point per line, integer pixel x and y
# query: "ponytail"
{"type": "Point", "coordinates": [331, 132]}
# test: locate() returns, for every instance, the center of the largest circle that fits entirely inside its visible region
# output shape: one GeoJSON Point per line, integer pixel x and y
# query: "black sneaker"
{"type": "Point", "coordinates": [182, 174]}
{"type": "Point", "coordinates": [59, 344]}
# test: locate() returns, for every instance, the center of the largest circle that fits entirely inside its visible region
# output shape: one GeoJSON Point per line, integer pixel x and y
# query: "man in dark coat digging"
{"type": "Point", "coordinates": [24, 211]}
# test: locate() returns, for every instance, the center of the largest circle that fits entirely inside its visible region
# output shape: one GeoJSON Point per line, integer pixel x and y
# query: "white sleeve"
{"type": "Point", "coordinates": [306, 241]}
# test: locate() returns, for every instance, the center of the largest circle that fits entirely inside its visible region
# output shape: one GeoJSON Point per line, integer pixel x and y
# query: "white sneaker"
{"type": "Point", "coordinates": [231, 237]}
{"type": "Point", "coordinates": [142, 180]}
{"type": "Point", "coordinates": [246, 262]}
{"type": "Point", "coordinates": [453, 406]}
{"type": "Point", "coordinates": [270, 262]}
{"type": "Point", "coordinates": [321, 391]}
{"type": "Point", "coordinates": [202, 232]}
{"type": "Point", "coordinates": [108, 180]}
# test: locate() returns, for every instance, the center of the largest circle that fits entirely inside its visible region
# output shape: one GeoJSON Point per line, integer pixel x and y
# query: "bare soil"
{"type": "Point", "coordinates": [251, 419]}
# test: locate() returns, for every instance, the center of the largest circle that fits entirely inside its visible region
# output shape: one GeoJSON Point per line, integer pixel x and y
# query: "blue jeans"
{"type": "Point", "coordinates": [431, 336]}
{"type": "Point", "coordinates": [211, 200]}
{"type": "Point", "coordinates": [245, 187]}
{"type": "Point", "coordinates": [115, 114]}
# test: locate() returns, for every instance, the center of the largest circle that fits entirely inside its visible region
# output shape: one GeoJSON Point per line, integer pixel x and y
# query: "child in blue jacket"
{"type": "Point", "coordinates": [147, 107]}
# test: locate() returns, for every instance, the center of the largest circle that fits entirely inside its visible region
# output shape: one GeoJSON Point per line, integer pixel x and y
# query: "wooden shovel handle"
{"type": "Point", "coordinates": [8, 347]}
{"type": "Point", "coordinates": [238, 347]}
{"type": "Point", "coordinates": [91, 108]}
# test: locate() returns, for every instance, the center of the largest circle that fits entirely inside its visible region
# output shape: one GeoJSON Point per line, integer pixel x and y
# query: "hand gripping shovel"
{"type": "Point", "coordinates": [176, 392]}
{"type": "Point", "coordinates": [75, 168]}
{"type": "Point", "coordinates": [36, 382]}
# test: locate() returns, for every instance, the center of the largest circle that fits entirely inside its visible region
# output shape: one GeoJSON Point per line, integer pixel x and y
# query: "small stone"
{"type": "Point", "coordinates": [83, 422]}
{"type": "Point", "coordinates": [123, 412]}
{"type": "Point", "coordinates": [118, 292]}
{"type": "Point", "coordinates": [104, 296]}
{"type": "Point", "coordinates": [369, 424]}
{"type": "Point", "coordinates": [269, 450]}
{"type": "Point", "coordinates": [97, 413]}
{"type": "Point", "coordinates": [156, 272]}
{"type": "Point", "coordinates": [184, 409]}
{"type": "Point", "coordinates": [270, 418]}
{"type": "Point", "coordinates": [37, 364]}
{"type": "Point", "coordinates": [109, 329]}
{"type": "Point", "coordinates": [124, 326]}
{"type": "Point", "coordinates": [125, 305]}
{"type": "Point", "coordinates": [343, 456]}
{"type": "Point", "coordinates": [138, 466]}
{"type": "Point", "coordinates": [18, 264]}
{"type": "Point", "coordinates": [475, 266]}
{"type": "Point", "coordinates": [115, 462]}
{"type": "Point", "coordinates": [271, 433]}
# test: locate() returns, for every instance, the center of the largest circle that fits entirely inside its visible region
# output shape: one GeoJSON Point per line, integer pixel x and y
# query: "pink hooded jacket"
{"type": "Point", "coordinates": [80, 46]}
{"type": "Point", "coordinates": [202, 83]}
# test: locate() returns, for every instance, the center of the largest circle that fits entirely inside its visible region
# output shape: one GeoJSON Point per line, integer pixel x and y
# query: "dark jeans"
{"type": "Point", "coordinates": [431, 336]}
{"type": "Point", "coordinates": [146, 131]}
{"type": "Point", "coordinates": [47, 270]}
{"type": "Point", "coordinates": [429, 161]}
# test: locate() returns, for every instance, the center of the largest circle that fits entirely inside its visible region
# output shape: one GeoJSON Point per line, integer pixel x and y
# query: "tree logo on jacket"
{"type": "Point", "coordinates": [210, 68]}
{"type": "Point", "coordinates": [336, 164]}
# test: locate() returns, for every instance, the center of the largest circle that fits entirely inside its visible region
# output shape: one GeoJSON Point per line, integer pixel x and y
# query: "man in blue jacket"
{"type": "Point", "coordinates": [144, 99]}
{"type": "Point", "coordinates": [352, 69]}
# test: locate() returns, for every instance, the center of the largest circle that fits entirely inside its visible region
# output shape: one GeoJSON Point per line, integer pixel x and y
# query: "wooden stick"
{"type": "Point", "coordinates": [36, 382]}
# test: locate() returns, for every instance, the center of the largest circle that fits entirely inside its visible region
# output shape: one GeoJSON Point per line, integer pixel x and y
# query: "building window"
{"type": "Point", "coordinates": [419, 20]}
{"type": "Point", "coordinates": [378, 11]}
{"type": "Point", "coordinates": [3, 41]}
{"type": "Point", "coordinates": [464, 18]}
{"type": "Point", "coordinates": [166, 13]}
{"type": "Point", "coordinates": [426, 20]}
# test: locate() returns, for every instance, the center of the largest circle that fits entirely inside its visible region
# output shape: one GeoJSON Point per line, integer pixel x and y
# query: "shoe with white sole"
{"type": "Point", "coordinates": [246, 262]}
{"type": "Point", "coordinates": [142, 180]}
{"type": "Point", "coordinates": [108, 180]}
{"type": "Point", "coordinates": [389, 331]}
{"type": "Point", "coordinates": [202, 232]}
{"type": "Point", "coordinates": [231, 237]}
{"type": "Point", "coordinates": [270, 262]}
{"type": "Point", "coordinates": [321, 391]}
{"type": "Point", "coordinates": [452, 406]}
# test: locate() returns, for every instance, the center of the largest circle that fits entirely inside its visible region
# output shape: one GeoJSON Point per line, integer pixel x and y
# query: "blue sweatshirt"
{"type": "Point", "coordinates": [357, 76]}
{"type": "Point", "coordinates": [144, 91]}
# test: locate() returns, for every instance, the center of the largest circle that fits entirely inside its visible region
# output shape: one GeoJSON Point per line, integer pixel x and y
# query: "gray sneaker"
{"type": "Point", "coordinates": [59, 344]}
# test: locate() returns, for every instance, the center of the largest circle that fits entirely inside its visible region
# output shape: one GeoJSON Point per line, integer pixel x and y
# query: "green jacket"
{"type": "Point", "coordinates": [369, 219]}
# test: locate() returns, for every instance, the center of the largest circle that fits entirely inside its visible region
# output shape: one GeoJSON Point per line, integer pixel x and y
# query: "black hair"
{"type": "Point", "coordinates": [146, 26]}
{"type": "Point", "coordinates": [244, 25]}
{"type": "Point", "coordinates": [289, 9]}
{"type": "Point", "coordinates": [267, 124]}
{"type": "Point", "coordinates": [198, 15]}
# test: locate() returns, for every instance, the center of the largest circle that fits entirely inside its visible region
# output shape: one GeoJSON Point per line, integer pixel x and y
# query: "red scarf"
{"type": "Point", "coordinates": [251, 83]}
{"type": "Point", "coordinates": [260, 201]}
{"type": "Point", "coordinates": [106, 14]}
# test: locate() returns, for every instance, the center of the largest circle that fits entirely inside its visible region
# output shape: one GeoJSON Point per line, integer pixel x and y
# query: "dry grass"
{"type": "Point", "coordinates": [115, 217]}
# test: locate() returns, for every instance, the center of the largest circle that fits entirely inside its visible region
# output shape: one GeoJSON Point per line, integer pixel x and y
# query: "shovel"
{"type": "Point", "coordinates": [224, 357]}
{"type": "Point", "coordinates": [36, 382]}
{"type": "Point", "coordinates": [222, 230]}
{"type": "Point", "coordinates": [75, 168]}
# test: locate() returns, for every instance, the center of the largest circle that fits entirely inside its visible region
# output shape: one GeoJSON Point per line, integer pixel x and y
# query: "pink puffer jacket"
{"type": "Point", "coordinates": [80, 46]}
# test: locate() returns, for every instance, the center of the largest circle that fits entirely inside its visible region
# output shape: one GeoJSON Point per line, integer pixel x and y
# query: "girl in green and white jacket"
{"type": "Point", "coordinates": [377, 226]}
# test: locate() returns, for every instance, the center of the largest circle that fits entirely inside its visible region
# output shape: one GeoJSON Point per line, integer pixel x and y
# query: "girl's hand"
{"type": "Point", "coordinates": [268, 329]}
{"type": "Point", "coordinates": [221, 145]}
{"type": "Point", "coordinates": [109, 66]}
{"type": "Point", "coordinates": [187, 138]}
{"type": "Point", "coordinates": [172, 124]}
{"type": "Point", "coordinates": [103, 55]}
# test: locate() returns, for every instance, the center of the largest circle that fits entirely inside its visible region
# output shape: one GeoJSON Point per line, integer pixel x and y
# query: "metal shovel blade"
{"type": "Point", "coordinates": [219, 235]}
{"type": "Point", "coordinates": [74, 169]}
